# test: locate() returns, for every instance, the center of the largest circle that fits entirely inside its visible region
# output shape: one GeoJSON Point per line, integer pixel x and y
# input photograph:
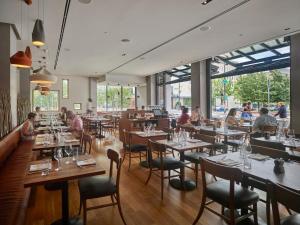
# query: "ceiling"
{"type": "Point", "coordinates": [161, 33]}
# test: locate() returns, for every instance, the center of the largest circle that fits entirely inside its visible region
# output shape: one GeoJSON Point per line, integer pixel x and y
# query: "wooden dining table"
{"type": "Point", "coordinates": [262, 170]}
{"type": "Point", "coordinates": [191, 144]}
{"type": "Point", "coordinates": [98, 121]}
{"type": "Point", "coordinates": [285, 141]}
{"type": "Point", "coordinates": [68, 172]}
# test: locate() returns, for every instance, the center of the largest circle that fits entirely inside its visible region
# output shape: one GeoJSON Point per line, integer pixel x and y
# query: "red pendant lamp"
{"type": "Point", "coordinates": [22, 59]}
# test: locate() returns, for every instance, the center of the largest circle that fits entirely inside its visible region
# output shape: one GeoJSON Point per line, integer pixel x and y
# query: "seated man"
{"type": "Point", "coordinates": [76, 124]}
{"type": "Point", "coordinates": [263, 120]}
{"type": "Point", "coordinates": [27, 131]}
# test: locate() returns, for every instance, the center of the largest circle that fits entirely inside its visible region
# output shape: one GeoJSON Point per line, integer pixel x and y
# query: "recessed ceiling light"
{"type": "Point", "coordinates": [105, 32]}
{"type": "Point", "coordinates": [287, 28]}
{"type": "Point", "coordinates": [124, 54]}
{"type": "Point", "coordinates": [241, 35]}
{"type": "Point", "coordinates": [206, 2]}
{"type": "Point", "coordinates": [85, 1]}
{"type": "Point", "coordinates": [125, 40]}
{"type": "Point", "coordinates": [205, 28]}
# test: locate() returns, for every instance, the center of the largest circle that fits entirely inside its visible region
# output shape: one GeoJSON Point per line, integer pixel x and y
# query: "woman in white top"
{"type": "Point", "coordinates": [27, 131]}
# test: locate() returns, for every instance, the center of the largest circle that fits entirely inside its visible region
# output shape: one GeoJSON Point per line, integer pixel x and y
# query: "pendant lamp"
{"type": "Point", "coordinates": [38, 33]}
{"type": "Point", "coordinates": [43, 77]}
{"type": "Point", "coordinates": [22, 59]}
{"type": "Point", "coordinates": [45, 91]}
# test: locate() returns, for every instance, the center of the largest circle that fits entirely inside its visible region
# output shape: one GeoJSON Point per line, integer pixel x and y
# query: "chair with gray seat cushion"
{"type": "Point", "coordinates": [288, 198]}
{"type": "Point", "coordinates": [218, 146]}
{"type": "Point", "coordinates": [161, 163]}
{"type": "Point", "coordinates": [226, 192]}
{"type": "Point", "coordinates": [102, 186]}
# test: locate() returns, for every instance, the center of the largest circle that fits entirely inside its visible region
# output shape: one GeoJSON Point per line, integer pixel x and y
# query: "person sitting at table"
{"type": "Point", "coordinates": [63, 114]}
{"type": "Point", "coordinates": [27, 131]}
{"type": "Point", "coordinates": [76, 124]}
{"type": "Point", "coordinates": [38, 113]}
{"type": "Point", "coordinates": [263, 120]}
{"type": "Point", "coordinates": [246, 114]}
{"type": "Point", "coordinates": [231, 118]}
{"type": "Point", "coordinates": [196, 116]}
{"type": "Point", "coordinates": [184, 117]}
{"type": "Point", "coordinates": [282, 112]}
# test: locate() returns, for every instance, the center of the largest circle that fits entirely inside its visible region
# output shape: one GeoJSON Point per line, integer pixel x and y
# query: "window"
{"type": "Point", "coordinates": [128, 98]}
{"type": "Point", "coordinates": [113, 98]}
{"type": "Point", "coordinates": [65, 88]}
{"type": "Point", "coordinates": [181, 95]}
{"type": "Point", "coordinates": [77, 106]}
{"type": "Point", "coordinates": [101, 98]}
{"type": "Point", "coordinates": [48, 102]}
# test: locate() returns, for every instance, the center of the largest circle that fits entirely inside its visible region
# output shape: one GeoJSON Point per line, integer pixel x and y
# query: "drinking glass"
{"type": "Point", "coordinates": [68, 151]}
{"type": "Point", "coordinates": [46, 170]}
{"type": "Point", "coordinates": [247, 160]}
{"type": "Point", "coordinates": [58, 157]}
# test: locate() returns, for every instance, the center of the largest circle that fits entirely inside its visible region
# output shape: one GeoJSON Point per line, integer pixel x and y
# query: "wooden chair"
{"type": "Point", "coordinates": [288, 198]}
{"type": "Point", "coordinates": [132, 149]}
{"type": "Point", "coordinates": [236, 141]}
{"type": "Point", "coordinates": [254, 183]}
{"type": "Point", "coordinates": [218, 146]}
{"type": "Point", "coordinates": [226, 193]}
{"type": "Point", "coordinates": [102, 186]}
{"type": "Point", "coordinates": [268, 129]}
{"type": "Point", "coordinates": [161, 164]}
{"type": "Point", "coordinates": [86, 143]}
{"type": "Point", "coordinates": [267, 144]}
{"type": "Point", "coordinates": [194, 157]}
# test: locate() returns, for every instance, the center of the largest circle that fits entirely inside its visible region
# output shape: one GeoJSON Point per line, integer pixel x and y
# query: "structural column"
{"type": "Point", "coordinates": [200, 91]}
{"type": "Point", "coordinates": [151, 94]}
{"type": "Point", "coordinates": [295, 82]}
{"type": "Point", "coordinates": [93, 93]}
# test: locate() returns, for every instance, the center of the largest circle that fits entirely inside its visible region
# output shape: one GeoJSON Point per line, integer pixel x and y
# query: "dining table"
{"type": "Point", "coordinates": [72, 171]}
{"type": "Point", "coordinates": [292, 143]}
{"type": "Point", "coordinates": [226, 133]}
{"type": "Point", "coordinates": [263, 170]}
{"type": "Point", "coordinates": [182, 147]}
{"type": "Point", "coordinates": [98, 121]}
{"type": "Point", "coordinates": [49, 128]}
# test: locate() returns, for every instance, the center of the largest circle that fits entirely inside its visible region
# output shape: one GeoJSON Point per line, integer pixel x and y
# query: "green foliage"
{"type": "Point", "coordinates": [218, 88]}
{"type": "Point", "coordinates": [46, 102]}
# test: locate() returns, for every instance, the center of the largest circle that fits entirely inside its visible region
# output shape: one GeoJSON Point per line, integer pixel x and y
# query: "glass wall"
{"type": "Point", "coordinates": [115, 98]}
{"type": "Point", "coordinates": [181, 95]}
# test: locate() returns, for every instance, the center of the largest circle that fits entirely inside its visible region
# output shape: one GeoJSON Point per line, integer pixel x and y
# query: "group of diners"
{"type": "Point", "coordinates": [68, 117]}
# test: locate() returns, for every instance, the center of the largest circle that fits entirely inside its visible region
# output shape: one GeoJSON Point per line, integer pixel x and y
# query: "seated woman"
{"type": "Point", "coordinates": [230, 119]}
{"type": "Point", "coordinates": [196, 116]}
{"type": "Point", "coordinates": [184, 117]}
{"type": "Point", "coordinates": [63, 114]}
{"type": "Point", "coordinates": [76, 124]}
{"type": "Point", "coordinates": [27, 131]}
{"type": "Point", "coordinates": [246, 114]}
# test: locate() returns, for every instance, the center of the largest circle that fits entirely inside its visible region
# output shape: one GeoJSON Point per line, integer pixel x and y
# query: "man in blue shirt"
{"type": "Point", "coordinates": [282, 112]}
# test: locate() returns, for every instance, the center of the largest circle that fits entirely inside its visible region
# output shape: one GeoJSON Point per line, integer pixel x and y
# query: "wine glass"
{"type": "Point", "coordinates": [58, 157]}
{"type": "Point", "coordinates": [68, 151]}
{"type": "Point", "coordinates": [47, 167]}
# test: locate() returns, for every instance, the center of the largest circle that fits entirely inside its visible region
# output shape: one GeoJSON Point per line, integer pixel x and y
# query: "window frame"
{"type": "Point", "coordinates": [68, 88]}
{"type": "Point", "coordinates": [58, 101]}
{"type": "Point", "coordinates": [77, 104]}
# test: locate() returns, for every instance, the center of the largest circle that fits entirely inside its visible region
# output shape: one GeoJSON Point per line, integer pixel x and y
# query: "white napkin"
{"type": "Point", "coordinates": [39, 167]}
{"type": "Point", "coordinates": [71, 140]}
{"type": "Point", "coordinates": [86, 162]}
{"type": "Point", "coordinates": [259, 157]}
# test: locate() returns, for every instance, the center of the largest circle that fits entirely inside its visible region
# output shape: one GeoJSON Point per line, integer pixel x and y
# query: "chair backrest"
{"type": "Point", "coordinates": [205, 138]}
{"type": "Point", "coordinates": [208, 132]}
{"type": "Point", "coordinates": [154, 146]}
{"type": "Point", "coordinates": [125, 137]}
{"type": "Point", "coordinates": [268, 144]}
{"type": "Point", "coordinates": [114, 158]}
{"type": "Point", "coordinates": [268, 129]}
{"type": "Point", "coordinates": [273, 153]}
{"type": "Point", "coordinates": [87, 141]}
{"type": "Point", "coordinates": [284, 196]}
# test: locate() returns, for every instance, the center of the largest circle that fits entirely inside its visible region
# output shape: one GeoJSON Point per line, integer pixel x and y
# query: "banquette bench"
{"type": "Point", "coordinates": [14, 157]}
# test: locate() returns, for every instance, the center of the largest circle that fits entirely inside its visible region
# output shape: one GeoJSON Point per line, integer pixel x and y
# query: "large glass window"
{"type": "Point", "coordinates": [48, 102]}
{"type": "Point", "coordinates": [181, 95]}
{"type": "Point", "coordinates": [128, 98]}
{"type": "Point", "coordinates": [113, 98]}
{"type": "Point", "coordinates": [65, 88]}
{"type": "Point", "coordinates": [101, 98]}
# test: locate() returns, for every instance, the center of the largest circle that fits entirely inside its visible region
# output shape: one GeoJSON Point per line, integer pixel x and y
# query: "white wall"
{"type": "Point", "coordinates": [78, 92]}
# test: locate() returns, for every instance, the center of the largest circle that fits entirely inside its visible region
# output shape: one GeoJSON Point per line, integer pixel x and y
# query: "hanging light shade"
{"type": "Point", "coordinates": [21, 59]}
{"type": "Point", "coordinates": [45, 90]}
{"type": "Point", "coordinates": [38, 33]}
{"type": "Point", "coordinates": [43, 77]}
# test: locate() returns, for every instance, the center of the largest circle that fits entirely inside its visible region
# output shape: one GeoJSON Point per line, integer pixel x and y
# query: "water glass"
{"type": "Point", "coordinates": [68, 151]}
{"type": "Point", "coordinates": [247, 163]}
{"type": "Point", "coordinates": [58, 156]}
{"type": "Point", "coordinates": [47, 169]}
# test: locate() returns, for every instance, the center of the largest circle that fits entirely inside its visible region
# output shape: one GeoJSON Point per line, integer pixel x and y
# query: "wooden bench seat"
{"type": "Point", "coordinates": [14, 157]}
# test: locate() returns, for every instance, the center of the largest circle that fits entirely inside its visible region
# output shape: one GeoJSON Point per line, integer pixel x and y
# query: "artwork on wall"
{"type": "Point", "coordinates": [23, 108]}
{"type": "Point", "coordinates": [5, 113]}
{"type": "Point", "coordinates": [77, 106]}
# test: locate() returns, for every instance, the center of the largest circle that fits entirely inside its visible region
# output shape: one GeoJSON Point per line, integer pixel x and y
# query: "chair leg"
{"type": "Point", "coordinates": [255, 213]}
{"type": "Point", "coordinates": [231, 217]}
{"type": "Point", "coordinates": [162, 184]}
{"type": "Point", "coordinates": [223, 210]}
{"type": "Point", "coordinates": [169, 175]}
{"type": "Point", "coordinates": [201, 210]}
{"type": "Point", "coordinates": [196, 173]}
{"type": "Point", "coordinates": [80, 205]}
{"type": "Point", "coordinates": [149, 176]}
{"type": "Point", "coordinates": [120, 209]}
{"type": "Point", "coordinates": [84, 211]}
{"type": "Point", "coordinates": [112, 199]}
{"type": "Point", "coordinates": [268, 205]}
{"type": "Point", "coordinates": [129, 164]}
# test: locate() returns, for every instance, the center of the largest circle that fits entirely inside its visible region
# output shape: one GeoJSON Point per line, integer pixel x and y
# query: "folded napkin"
{"type": "Point", "coordinates": [39, 167]}
{"type": "Point", "coordinates": [193, 140]}
{"type": "Point", "coordinates": [229, 162]}
{"type": "Point", "coordinates": [86, 162]}
{"type": "Point", "coordinates": [39, 143]}
{"type": "Point", "coordinates": [71, 140]}
{"type": "Point", "coordinates": [259, 157]}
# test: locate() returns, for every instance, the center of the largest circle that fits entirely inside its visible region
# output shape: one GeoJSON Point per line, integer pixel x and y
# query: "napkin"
{"type": "Point", "coordinates": [229, 162]}
{"type": "Point", "coordinates": [86, 162]}
{"type": "Point", "coordinates": [39, 167]}
{"type": "Point", "coordinates": [193, 140]}
{"type": "Point", "coordinates": [259, 157]}
{"type": "Point", "coordinates": [71, 140]}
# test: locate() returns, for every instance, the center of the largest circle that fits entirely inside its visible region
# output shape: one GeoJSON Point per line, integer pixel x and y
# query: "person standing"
{"type": "Point", "coordinates": [282, 112]}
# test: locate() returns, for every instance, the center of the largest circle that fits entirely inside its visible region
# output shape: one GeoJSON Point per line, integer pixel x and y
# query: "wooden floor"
{"type": "Point", "coordinates": [141, 203]}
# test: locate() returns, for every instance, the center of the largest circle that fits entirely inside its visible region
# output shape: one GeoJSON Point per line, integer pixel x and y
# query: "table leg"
{"type": "Point", "coordinates": [66, 220]}
{"type": "Point", "coordinates": [184, 185]}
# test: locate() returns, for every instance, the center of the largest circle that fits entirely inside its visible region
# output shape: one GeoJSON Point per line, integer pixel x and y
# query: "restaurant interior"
{"type": "Point", "coordinates": [110, 114]}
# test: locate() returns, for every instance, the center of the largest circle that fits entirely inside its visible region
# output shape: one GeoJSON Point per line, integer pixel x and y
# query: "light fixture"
{"type": "Point", "coordinates": [85, 1]}
{"type": "Point", "coordinates": [205, 28]}
{"type": "Point", "coordinates": [206, 2]}
{"type": "Point", "coordinates": [45, 90]}
{"type": "Point", "coordinates": [21, 59]}
{"type": "Point", "coordinates": [43, 77]}
{"type": "Point", "coordinates": [125, 40]}
{"type": "Point", "coordinates": [38, 33]}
